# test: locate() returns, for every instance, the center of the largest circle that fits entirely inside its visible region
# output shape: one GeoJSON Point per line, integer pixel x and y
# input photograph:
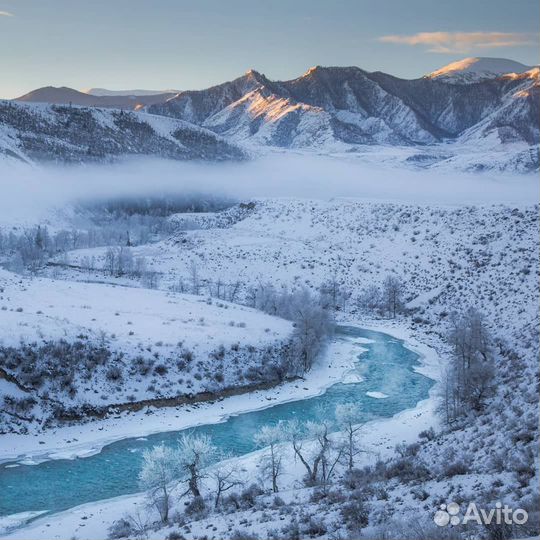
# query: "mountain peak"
{"type": "Point", "coordinates": [51, 94]}
{"type": "Point", "coordinates": [313, 69]}
{"type": "Point", "coordinates": [254, 74]}
{"type": "Point", "coordinates": [473, 69]}
{"type": "Point", "coordinates": [319, 70]}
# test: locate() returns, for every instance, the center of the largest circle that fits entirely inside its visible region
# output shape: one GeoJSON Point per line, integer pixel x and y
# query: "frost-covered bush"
{"type": "Point", "coordinates": [355, 514]}
{"type": "Point", "coordinates": [195, 508]}
{"type": "Point", "coordinates": [121, 528]}
{"type": "Point", "coordinates": [114, 373]}
{"type": "Point", "coordinates": [238, 534]}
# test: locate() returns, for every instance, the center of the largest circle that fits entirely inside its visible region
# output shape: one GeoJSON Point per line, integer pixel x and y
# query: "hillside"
{"type": "Point", "coordinates": [66, 134]}
{"type": "Point", "coordinates": [68, 96]}
{"type": "Point", "coordinates": [449, 258]}
{"type": "Point", "coordinates": [74, 349]}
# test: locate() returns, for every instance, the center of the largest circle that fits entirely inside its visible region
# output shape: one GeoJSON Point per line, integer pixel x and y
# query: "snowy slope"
{"type": "Point", "coordinates": [40, 132]}
{"type": "Point", "coordinates": [298, 242]}
{"type": "Point", "coordinates": [450, 258]}
{"type": "Point", "coordinates": [475, 69]}
{"type": "Point", "coordinates": [152, 344]}
{"type": "Point", "coordinates": [511, 120]}
{"type": "Point", "coordinates": [343, 109]}
{"type": "Point", "coordinates": [327, 109]}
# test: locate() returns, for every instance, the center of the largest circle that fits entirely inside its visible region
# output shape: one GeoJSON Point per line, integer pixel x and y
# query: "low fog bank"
{"type": "Point", "coordinates": [27, 193]}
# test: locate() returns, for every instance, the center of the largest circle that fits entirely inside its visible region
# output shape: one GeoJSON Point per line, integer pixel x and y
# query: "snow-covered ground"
{"type": "Point", "coordinates": [91, 521]}
{"type": "Point", "coordinates": [83, 440]}
{"type": "Point", "coordinates": [134, 343]}
{"type": "Point", "coordinates": [39, 307]}
{"type": "Point", "coordinates": [449, 257]}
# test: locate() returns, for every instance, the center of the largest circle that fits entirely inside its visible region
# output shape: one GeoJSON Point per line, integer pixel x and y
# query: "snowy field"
{"type": "Point", "coordinates": [136, 344]}
{"type": "Point", "coordinates": [463, 241]}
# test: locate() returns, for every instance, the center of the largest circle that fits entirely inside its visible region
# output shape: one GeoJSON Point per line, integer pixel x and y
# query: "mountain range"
{"type": "Point", "coordinates": [94, 98]}
{"type": "Point", "coordinates": [473, 113]}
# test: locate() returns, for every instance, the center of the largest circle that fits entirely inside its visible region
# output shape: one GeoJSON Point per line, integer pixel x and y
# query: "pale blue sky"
{"type": "Point", "coordinates": [187, 44]}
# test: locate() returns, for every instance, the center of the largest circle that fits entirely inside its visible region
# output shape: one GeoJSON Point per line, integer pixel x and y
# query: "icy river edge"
{"type": "Point", "coordinates": [378, 436]}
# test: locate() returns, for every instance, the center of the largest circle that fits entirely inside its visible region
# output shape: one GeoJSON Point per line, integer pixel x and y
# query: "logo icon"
{"type": "Point", "coordinates": [447, 515]}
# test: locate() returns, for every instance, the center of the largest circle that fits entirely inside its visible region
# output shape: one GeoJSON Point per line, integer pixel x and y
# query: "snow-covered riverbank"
{"type": "Point", "coordinates": [74, 441]}
{"type": "Point", "coordinates": [91, 521]}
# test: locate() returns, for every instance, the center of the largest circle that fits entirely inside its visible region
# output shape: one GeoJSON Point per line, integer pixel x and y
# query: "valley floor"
{"type": "Point", "coordinates": [449, 258]}
{"type": "Point", "coordinates": [92, 521]}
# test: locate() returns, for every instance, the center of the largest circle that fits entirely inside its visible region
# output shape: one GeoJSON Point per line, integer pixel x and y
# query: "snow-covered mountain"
{"type": "Point", "coordinates": [39, 132]}
{"type": "Point", "coordinates": [342, 108]}
{"type": "Point", "coordinates": [65, 96]}
{"type": "Point", "coordinates": [346, 109]}
{"type": "Point", "coordinates": [328, 108]}
{"type": "Point", "coordinates": [475, 69]}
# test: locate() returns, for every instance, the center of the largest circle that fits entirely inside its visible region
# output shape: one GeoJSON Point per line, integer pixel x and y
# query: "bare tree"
{"type": "Point", "coordinates": [194, 277]}
{"type": "Point", "coordinates": [195, 451]}
{"type": "Point", "coordinates": [216, 288]}
{"type": "Point", "coordinates": [271, 437]}
{"type": "Point", "coordinates": [159, 473]}
{"type": "Point", "coordinates": [333, 294]}
{"type": "Point", "coordinates": [150, 279]}
{"type": "Point", "coordinates": [348, 417]}
{"type": "Point", "coordinates": [225, 477]}
{"type": "Point", "coordinates": [234, 290]}
{"type": "Point", "coordinates": [392, 294]}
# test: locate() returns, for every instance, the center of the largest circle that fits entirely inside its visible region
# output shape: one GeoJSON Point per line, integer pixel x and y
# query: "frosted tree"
{"type": "Point", "coordinates": [159, 475]}
{"type": "Point", "coordinates": [347, 418]}
{"type": "Point", "coordinates": [194, 453]}
{"type": "Point", "coordinates": [271, 437]}
{"type": "Point", "coordinates": [371, 298]}
{"type": "Point", "coordinates": [392, 294]}
{"type": "Point", "coordinates": [16, 263]}
{"type": "Point", "coordinates": [225, 477]}
{"type": "Point", "coordinates": [313, 325]}
{"type": "Point", "coordinates": [468, 381]}
{"type": "Point", "coordinates": [139, 268]}
{"type": "Point", "coordinates": [234, 290]}
{"type": "Point", "coordinates": [124, 261]}
{"type": "Point", "coordinates": [316, 451]}
{"type": "Point", "coordinates": [194, 277]}
{"type": "Point", "coordinates": [110, 261]}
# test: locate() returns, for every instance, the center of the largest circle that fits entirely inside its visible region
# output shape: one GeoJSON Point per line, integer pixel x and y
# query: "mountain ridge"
{"type": "Point", "coordinates": [338, 109]}
{"type": "Point", "coordinates": [356, 107]}
{"type": "Point", "coordinates": [63, 95]}
{"type": "Point", "coordinates": [31, 132]}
